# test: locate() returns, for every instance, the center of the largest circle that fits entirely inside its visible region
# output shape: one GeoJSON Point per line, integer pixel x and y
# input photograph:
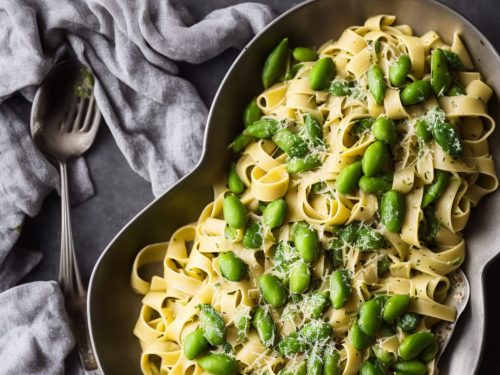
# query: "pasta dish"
{"type": "Point", "coordinates": [330, 246]}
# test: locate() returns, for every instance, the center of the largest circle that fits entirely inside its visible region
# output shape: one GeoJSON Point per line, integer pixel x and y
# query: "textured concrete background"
{"type": "Point", "coordinates": [121, 193]}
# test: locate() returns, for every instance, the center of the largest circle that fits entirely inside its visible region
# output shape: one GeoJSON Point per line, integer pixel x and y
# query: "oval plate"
{"type": "Point", "coordinates": [112, 305]}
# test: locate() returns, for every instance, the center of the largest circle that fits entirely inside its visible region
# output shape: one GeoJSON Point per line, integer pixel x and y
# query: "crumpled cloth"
{"type": "Point", "coordinates": [156, 118]}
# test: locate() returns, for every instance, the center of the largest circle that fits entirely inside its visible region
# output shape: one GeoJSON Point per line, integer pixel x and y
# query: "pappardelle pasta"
{"type": "Point", "coordinates": [330, 248]}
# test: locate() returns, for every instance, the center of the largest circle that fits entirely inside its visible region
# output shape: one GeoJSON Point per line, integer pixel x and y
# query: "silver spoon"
{"type": "Point", "coordinates": [64, 123]}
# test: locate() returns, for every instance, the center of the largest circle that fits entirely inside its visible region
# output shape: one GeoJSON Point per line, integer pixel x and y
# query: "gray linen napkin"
{"type": "Point", "coordinates": [156, 118]}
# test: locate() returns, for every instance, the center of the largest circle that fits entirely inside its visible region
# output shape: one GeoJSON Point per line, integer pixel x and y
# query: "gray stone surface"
{"type": "Point", "coordinates": [121, 193]}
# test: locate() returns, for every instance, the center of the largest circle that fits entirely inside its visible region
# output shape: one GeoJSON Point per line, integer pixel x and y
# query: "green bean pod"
{"type": "Point", "coordinates": [359, 339]}
{"type": "Point", "coordinates": [291, 345]}
{"type": "Point", "coordinates": [396, 306]}
{"type": "Point", "coordinates": [314, 362]}
{"type": "Point", "coordinates": [252, 113]}
{"type": "Point", "coordinates": [435, 190]}
{"type": "Point", "coordinates": [194, 344]}
{"type": "Point", "coordinates": [440, 75]}
{"type": "Point", "coordinates": [299, 165]}
{"type": "Point", "coordinates": [446, 136]}
{"type": "Point", "coordinates": [292, 72]}
{"type": "Point", "coordinates": [219, 364]}
{"type": "Point", "coordinates": [423, 133]}
{"type": "Point", "coordinates": [378, 184]}
{"type": "Point", "coordinates": [384, 130]}
{"type": "Point", "coordinates": [322, 73]}
{"type": "Point", "coordinates": [315, 330]}
{"type": "Point", "coordinates": [454, 60]}
{"type": "Point", "coordinates": [340, 288]}
{"type": "Point", "coordinates": [429, 353]}
{"type": "Point", "coordinates": [370, 317]}
{"type": "Point", "coordinates": [416, 92]}
{"type": "Point", "coordinates": [348, 178]}
{"type": "Point", "coordinates": [275, 64]}
{"type": "Point", "coordinates": [314, 129]}
{"type": "Point", "coordinates": [376, 83]}
{"type": "Point", "coordinates": [371, 368]}
{"type": "Point", "coordinates": [274, 214]}
{"type": "Point", "coordinates": [240, 142]}
{"type": "Point", "coordinates": [265, 327]}
{"type": "Point", "coordinates": [304, 54]}
{"type": "Point", "coordinates": [232, 267]}
{"type": "Point", "coordinates": [300, 277]}
{"type": "Point", "coordinates": [272, 290]}
{"type": "Point", "coordinates": [212, 324]}
{"type": "Point", "coordinates": [392, 210]}
{"type": "Point", "coordinates": [331, 359]}
{"type": "Point", "coordinates": [306, 242]}
{"type": "Point", "coordinates": [234, 182]}
{"type": "Point", "coordinates": [252, 239]}
{"type": "Point", "coordinates": [414, 344]}
{"type": "Point", "coordinates": [376, 159]}
{"type": "Point", "coordinates": [399, 70]}
{"type": "Point", "coordinates": [407, 322]}
{"type": "Point", "coordinates": [411, 367]}
{"type": "Point", "coordinates": [290, 143]}
{"type": "Point", "coordinates": [263, 128]}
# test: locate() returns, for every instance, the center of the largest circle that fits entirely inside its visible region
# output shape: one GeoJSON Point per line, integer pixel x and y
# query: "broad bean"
{"type": "Point", "coordinates": [340, 288]}
{"type": "Point", "coordinates": [265, 327]}
{"type": "Point", "coordinates": [252, 113]}
{"type": "Point", "coordinates": [392, 210]}
{"type": "Point", "coordinates": [435, 190]}
{"type": "Point", "coordinates": [304, 54]}
{"type": "Point", "coordinates": [274, 214]}
{"type": "Point", "coordinates": [306, 242]}
{"type": "Point", "coordinates": [376, 159]}
{"type": "Point", "coordinates": [212, 324]}
{"type": "Point", "coordinates": [440, 75]}
{"type": "Point", "coordinates": [252, 239]}
{"type": "Point", "coordinates": [399, 70]}
{"type": "Point", "coordinates": [263, 128]}
{"type": "Point", "coordinates": [416, 92]}
{"type": "Point", "coordinates": [370, 317]}
{"type": "Point", "coordinates": [376, 83]}
{"type": "Point", "coordinates": [234, 182]}
{"type": "Point", "coordinates": [378, 184]}
{"type": "Point", "coordinates": [194, 344]}
{"type": "Point", "coordinates": [275, 64]}
{"type": "Point", "coordinates": [348, 178]}
{"type": "Point", "coordinates": [290, 143]}
{"type": "Point", "coordinates": [219, 364]}
{"type": "Point", "coordinates": [272, 290]}
{"type": "Point", "coordinates": [396, 306]}
{"type": "Point", "coordinates": [384, 130]}
{"type": "Point", "coordinates": [322, 73]}
{"type": "Point", "coordinates": [232, 267]}
{"type": "Point", "coordinates": [300, 276]}
{"type": "Point", "coordinates": [414, 344]}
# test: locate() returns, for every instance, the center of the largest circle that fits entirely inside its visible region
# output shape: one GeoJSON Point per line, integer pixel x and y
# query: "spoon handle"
{"type": "Point", "coordinates": [74, 292]}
